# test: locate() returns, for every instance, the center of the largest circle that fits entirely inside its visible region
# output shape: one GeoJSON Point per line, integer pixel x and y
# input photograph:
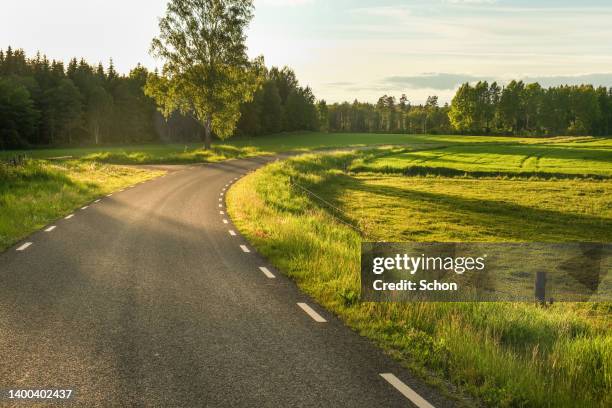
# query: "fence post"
{"type": "Point", "coordinates": [540, 287]}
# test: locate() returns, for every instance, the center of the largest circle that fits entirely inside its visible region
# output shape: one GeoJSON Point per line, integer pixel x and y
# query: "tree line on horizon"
{"type": "Point", "coordinates": [528, 108]}
{"type": "Point", "coordinates": [45, 103]}
{"type": "Point", "coordinates": [483, 109]}
{"type": "Point", "coordinates": [388, 115]}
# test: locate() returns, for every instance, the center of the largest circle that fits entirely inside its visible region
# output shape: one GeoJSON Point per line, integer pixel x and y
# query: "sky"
{"type": "Point", "coordinates": [353, 49]}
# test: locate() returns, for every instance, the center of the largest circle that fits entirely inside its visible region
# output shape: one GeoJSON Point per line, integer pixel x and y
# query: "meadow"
{"type": "Point", "coordinates": [240, 147]}
{"type": "Point", "coordinates": [309, 215]}
{"type": "Point", "coordinates": [589, 158]}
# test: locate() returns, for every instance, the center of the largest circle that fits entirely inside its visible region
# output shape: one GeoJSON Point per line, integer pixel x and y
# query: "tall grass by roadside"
{"type": "Point", "coordinates": [507, 355]}
{"type": "Point", "coordinates": [38, 192]}
{"type": "Point", "coordinates": [173, 156]}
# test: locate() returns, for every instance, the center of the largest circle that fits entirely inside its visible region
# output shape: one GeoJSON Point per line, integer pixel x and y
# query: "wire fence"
{"type": "Point", "coordinates": [329, 205]}
{"type": "Point", "coordinates": [17, 160]}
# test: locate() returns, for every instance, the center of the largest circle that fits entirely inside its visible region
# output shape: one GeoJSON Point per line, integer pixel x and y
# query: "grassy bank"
{"type": "Point", "coordinates": [504, 354]}
{"type": "Point", "coordinates": [38, 192]}
{"type": "Point", "coordinates": [144, 154]}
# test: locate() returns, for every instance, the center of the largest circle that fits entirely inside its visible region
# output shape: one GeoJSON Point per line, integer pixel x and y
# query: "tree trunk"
{"type": "Point", "coordinates": [97, 133]}
{"type": "Point", "coordinates": [207, 134]}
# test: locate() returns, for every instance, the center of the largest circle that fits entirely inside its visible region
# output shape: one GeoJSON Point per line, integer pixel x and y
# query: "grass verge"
{"type": "Point", "coordinates": [143, 154]}
{"type": "Point", "coordinates": [38, 192]}
{"type": "Point", "coordinates": [507, 355]}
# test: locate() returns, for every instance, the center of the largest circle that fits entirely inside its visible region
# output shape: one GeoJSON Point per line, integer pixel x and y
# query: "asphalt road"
{"type": "Point", "coordinates": [145, 299]}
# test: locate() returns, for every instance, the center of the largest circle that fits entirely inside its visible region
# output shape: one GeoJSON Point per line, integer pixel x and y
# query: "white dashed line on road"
{"type": "Point", "coordinates": [267, 272]}
{"type": "Point", "coordinates": [69, 217]}
{"type": "Point", "coordinates": [84, 208]}
{"type": "Point", "coordinates": [24, 246]}
{"type": "Point", "coordinates": [225, 221]}
{"type": "Point", "coordinates": [110, 195]}
{"type": "Point", "coordinates": [222, 212]}
{"type": "Point", "coordinates": [310, 312]}
{"type": "Point", "coordinates": [406, 391]}
{"type": "Point", "coordinates": [97, 201]}
{"type": "Point", "coordinates": [245, 249]}
{"type": "Point", "coordinates": [232, 233]}
{"type": "Point", "coordinates": [220, 205]}
{"type": "Point", "coordinates": [51, 228]}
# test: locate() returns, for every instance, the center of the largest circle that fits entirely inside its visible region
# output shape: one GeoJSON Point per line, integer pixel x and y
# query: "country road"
{"type": "Point", "coordinates": [146, 298]}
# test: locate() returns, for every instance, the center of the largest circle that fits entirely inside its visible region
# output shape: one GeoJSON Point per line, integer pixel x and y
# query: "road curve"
{"type": "Point", "coordinates": [145, 299]}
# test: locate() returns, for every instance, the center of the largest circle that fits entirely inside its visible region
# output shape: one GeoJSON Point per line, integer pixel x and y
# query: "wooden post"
{"type": "Point", "coordinates": [540, 287]}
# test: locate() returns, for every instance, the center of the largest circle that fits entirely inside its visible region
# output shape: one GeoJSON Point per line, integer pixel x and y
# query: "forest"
{"type": "Point", "coordinates": [45, 103]}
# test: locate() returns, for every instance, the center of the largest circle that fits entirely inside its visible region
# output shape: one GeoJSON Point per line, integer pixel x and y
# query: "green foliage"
{"type": "Point", "coordinates": [280, 105]}
{"type": "Point", "coordinates": [531, 109]}
{"type": "Point", "coordinates": [18, 118]}
{"type": "Point", "coordinates": [77, 105]}
{"type": "Point", "coordinates": [63, 109]}
{"type": "Point", "coordinates": [387, 116]}
{"type": "Point", "coordinates": [472, 109]}
{"type": "Point", "coordinates": [84, 104]}
{"type": "Point", "coordinates": [272, 109]}
{"type": "Point", "coordinates": [206, 73]}
{"type": "Point", "coordinates": [483, 109]}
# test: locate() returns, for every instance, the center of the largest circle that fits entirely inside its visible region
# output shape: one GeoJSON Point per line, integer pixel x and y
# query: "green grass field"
{"type": "Point", "coordinates": [503, 354]}
{"type": "Point", "coordinates": [244, 147]}
{"type": "Point", "coordinates": [38, 192]}
{"type": "Point", "coordinates": [517, 159]}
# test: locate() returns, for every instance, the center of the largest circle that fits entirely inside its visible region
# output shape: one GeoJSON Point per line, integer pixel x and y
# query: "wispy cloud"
{"type": "Point", "coordinates": [447, 81]}
{"type": "Point", "coordinates": [430, 80]}
{"type": "Point", "coordinates": [597, 79]}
